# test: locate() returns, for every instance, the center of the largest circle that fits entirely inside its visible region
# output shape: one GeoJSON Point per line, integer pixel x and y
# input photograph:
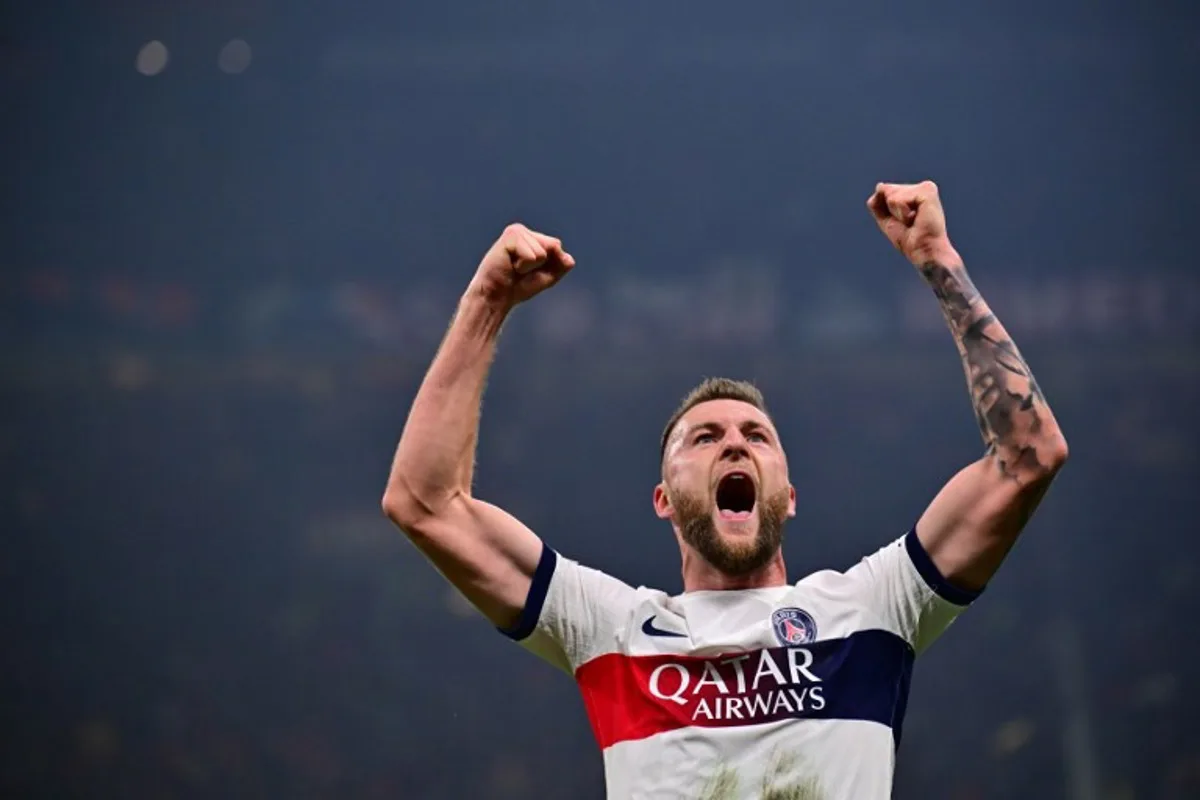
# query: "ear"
{"type": "Point", "coordinates": [662, 502]}
{"type": "Point", "coordinates": [791, 501]}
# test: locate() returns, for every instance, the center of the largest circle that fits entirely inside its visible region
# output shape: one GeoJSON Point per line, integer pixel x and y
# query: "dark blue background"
{"type": "Point", "coordinates": [219, 293]}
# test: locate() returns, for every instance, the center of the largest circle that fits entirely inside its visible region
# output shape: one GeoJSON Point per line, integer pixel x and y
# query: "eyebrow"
{"type": "Point", "coordinates": [755, 425]}
{"type": "Point", "coordinates": [750, 424]}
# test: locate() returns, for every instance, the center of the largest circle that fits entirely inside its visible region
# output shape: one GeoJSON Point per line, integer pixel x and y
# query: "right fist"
{"type": "Point", "coordinates": [519, 265]}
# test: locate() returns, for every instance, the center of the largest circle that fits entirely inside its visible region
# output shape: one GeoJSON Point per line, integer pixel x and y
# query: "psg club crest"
{"type": "Point", "coordinates": [794, 626]}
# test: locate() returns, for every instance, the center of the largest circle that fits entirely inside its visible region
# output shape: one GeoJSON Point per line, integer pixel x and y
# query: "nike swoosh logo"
{"type": "Point", "coordinates": [649, 629]}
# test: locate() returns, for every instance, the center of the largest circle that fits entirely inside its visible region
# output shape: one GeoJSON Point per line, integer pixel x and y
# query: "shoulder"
{"type": "Point", "coordinates": [896, 588]}
{"type": "Point", "coordinates": [833, 585]}
{"type": "Point", "coordinates": [854, 598]}
{"type": "Point", "coordinates": [596, 585]}
{"type": "Point", "coordinates": [902, 557]}
{"type": "Point", "coordinates": [594, 602]}
{"type": "Point", "coordinates": [835, 602]}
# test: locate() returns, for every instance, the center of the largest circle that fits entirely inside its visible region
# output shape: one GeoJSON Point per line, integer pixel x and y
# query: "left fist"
{"type": "Point", "coordinates": [911, 217]}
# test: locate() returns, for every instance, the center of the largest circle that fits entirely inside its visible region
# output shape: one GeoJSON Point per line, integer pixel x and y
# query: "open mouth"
{"type": "Point", "coordinates": [735, 496]}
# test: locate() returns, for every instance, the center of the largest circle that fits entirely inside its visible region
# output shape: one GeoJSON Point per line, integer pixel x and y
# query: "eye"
{"type": "Point", "coordinates": [704, 438]}
{"type": "Point", "coordinates": [756, 436]}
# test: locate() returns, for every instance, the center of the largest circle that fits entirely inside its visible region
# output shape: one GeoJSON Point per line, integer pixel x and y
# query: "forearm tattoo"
{"type": "Point", "coordinates": [1009, 407]}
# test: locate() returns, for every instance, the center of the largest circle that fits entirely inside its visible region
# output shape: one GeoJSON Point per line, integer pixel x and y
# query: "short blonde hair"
{"type": "Point", "coordinates": [713, 389]}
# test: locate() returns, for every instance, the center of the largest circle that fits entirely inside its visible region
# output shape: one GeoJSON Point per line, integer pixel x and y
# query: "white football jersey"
{"type": "Point", "coordinates": [794, 691]}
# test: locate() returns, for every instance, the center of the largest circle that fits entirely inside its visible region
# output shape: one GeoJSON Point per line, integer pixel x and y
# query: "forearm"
{"type": "Point", "coordinates": [1017, 425]}
{"type": "Point", "coordinates": [436, 455]}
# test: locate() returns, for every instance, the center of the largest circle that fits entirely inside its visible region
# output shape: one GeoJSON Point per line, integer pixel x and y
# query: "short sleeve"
{"type": "Point", "coordinates": [572, 613]}
{"type": "Point", "coordinates": [904, 587]}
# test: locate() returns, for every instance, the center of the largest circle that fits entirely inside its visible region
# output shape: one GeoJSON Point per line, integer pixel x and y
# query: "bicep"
{"type": "Point", "coordinates": [485, 552]}
{"type": "Point", "coordinates": [975, 519]}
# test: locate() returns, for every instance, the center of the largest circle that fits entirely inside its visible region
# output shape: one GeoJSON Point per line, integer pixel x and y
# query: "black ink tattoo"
{"type": "Point", "coordinates": [1009, 406]}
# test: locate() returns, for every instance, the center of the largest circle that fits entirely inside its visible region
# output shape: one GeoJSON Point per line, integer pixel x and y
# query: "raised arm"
{"type": "Point", "coordinates": [973, 522]}
{"type": "Point", "coordinates": [488, 554]}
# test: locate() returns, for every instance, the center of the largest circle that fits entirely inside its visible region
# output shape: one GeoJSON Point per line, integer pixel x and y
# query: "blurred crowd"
{"type": "Point", "coordinates": [209, 604]}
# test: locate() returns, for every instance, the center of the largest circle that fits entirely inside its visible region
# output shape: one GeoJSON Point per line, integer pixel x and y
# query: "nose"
{"type": "Point", "coordinates": [735, 448]}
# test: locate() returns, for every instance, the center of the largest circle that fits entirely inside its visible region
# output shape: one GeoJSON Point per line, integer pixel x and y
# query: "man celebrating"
{"type": "Point", "coordinates": [743, 686]}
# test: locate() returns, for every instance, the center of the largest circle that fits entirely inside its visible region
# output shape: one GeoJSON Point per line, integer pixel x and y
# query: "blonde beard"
{"type": "Point", "coordinates": [694, 516]}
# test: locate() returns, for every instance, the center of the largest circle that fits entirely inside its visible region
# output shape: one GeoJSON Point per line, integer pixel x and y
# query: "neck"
{"type": "Point", "coordinates": [699, 575]}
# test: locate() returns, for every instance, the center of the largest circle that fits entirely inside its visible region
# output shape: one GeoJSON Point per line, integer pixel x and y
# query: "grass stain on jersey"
{"type": "Point", "coordinates": [779, 783]}
{"type": "Point", "coordinates": [808, 789]}
{"type": "Point", "coordinates": [782, 783]}
{"type": "Point", "coordinates": [722, 786]}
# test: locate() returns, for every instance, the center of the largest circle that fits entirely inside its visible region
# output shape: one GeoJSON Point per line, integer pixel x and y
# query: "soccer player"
{"type": "Point", "coordinates": [743, 686]}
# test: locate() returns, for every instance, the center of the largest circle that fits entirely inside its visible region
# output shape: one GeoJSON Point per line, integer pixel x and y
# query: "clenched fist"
{"type": "Point", "coordinates": [911, 217]}
{"type": "Point", "coordinates": [519, 265]}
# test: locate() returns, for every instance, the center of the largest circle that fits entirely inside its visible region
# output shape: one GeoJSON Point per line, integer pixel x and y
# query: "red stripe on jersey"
{"type": "Point", "coordinates": [616, 694]}
{"type": "Point", "coordinates": [864, 677]}
{"type": "Point", "coordinates": [632, 697]}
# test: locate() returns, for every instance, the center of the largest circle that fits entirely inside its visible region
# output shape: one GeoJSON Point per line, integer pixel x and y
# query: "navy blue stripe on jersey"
{"type": "Point", "coordinates": [903, 681]}
{"type": "Point", "coordinates": [536, 598]}
{"type": "Point", "coordinates": [933, 577]}
{"type": "Point", "coordinates": [864, 676]}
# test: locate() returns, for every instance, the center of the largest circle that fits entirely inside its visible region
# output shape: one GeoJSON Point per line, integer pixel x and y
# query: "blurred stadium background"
{"type": "Point", "coordinates": [233, 233]}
